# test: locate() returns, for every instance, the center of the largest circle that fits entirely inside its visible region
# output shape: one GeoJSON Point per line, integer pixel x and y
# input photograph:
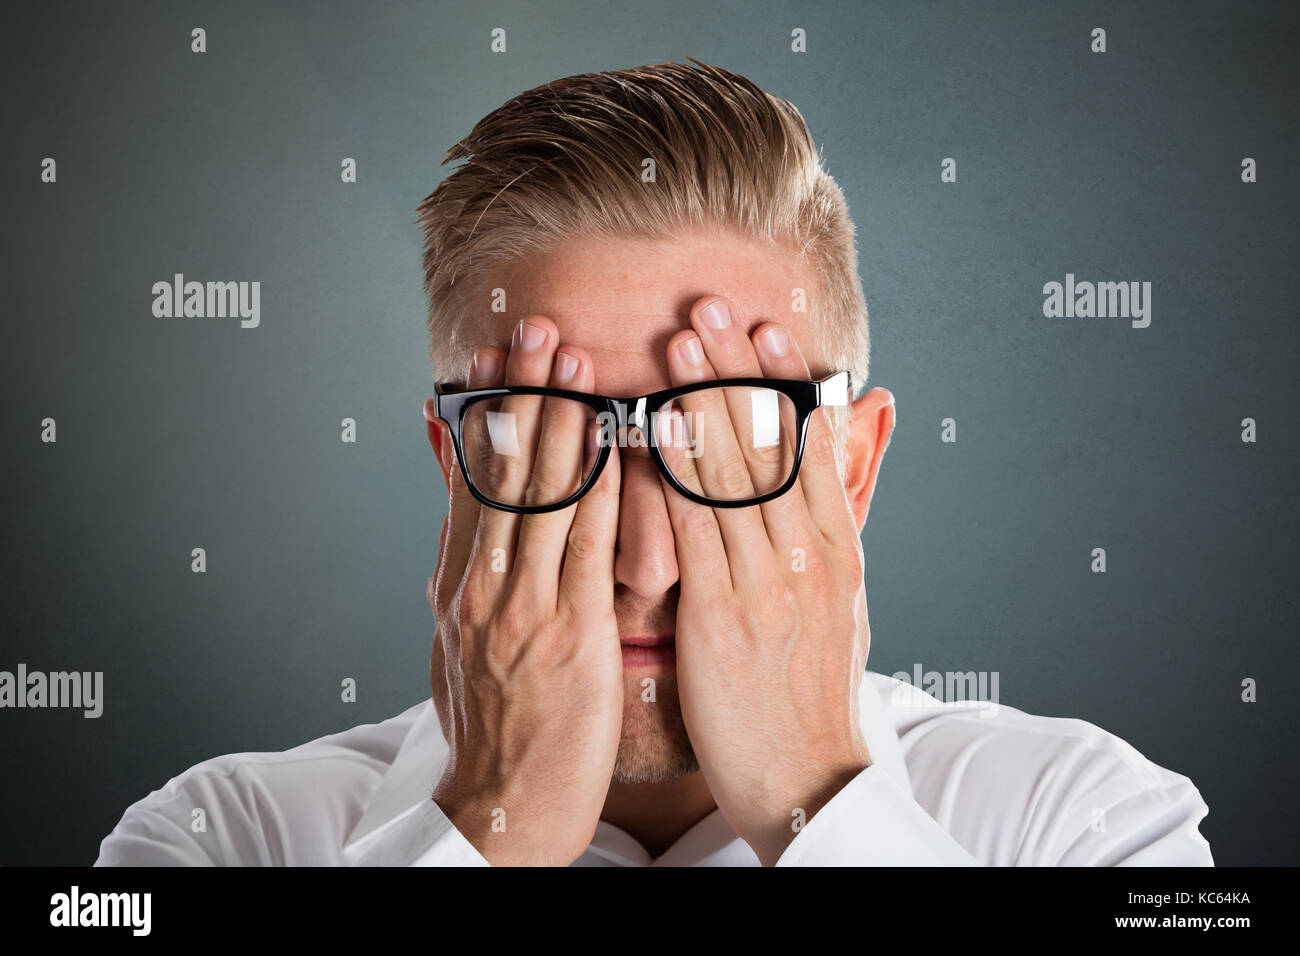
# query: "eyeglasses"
{"type": "Point", "coordinates": [726, 443]}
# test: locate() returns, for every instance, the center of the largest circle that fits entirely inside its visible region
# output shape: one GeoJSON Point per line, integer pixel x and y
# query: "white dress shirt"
{"type": "Point", "coordinates": [951, 784]}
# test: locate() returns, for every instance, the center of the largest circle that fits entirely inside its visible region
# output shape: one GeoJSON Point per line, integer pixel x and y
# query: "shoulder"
{"type": "Point", "coordinates": [1016, 788]}
{"type": "Point", "coordinates": [260, 807]}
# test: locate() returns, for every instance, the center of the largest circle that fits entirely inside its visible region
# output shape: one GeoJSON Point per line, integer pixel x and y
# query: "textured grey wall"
{"type": "Point", "coordinates": [1072, 433]}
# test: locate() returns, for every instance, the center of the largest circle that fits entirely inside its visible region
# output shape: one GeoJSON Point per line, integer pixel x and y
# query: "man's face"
{"type": "Point", "coordinates": [622, 300]}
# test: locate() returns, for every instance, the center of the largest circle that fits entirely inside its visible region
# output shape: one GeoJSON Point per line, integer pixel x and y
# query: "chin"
{"type": "Point", "coordinates": [654, 746]}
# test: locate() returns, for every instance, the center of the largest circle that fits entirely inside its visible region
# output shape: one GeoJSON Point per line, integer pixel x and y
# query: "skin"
{"type": "Point", "coordinates": [547, 728]}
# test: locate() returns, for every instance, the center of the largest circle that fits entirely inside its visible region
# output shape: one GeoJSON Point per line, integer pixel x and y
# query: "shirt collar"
{"type": "Point", "coordinates": [415, 770]}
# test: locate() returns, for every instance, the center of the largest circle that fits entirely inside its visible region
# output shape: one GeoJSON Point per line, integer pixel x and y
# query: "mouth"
{"type": "Point", "coordinates": [649, 650]}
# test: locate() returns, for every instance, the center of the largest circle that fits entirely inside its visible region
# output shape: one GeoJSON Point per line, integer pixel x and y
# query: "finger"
{"type": "Point", "coordinates": [726, 345]}
{"type": "Point", "coordinates": [485, 371]}
{"type": "Point", "coordinates": [788, 520]}
{"type": "Point", "coordinates": [563, 462]}
{"type": "Point", "coordinates": [731, 354]}
{"type": "Point", "coordinates": [820, 483]}
{"type": "Point", "coordinates": [557, 470]}
{"type": "Point", "coordinates": [711, 463]}
{"type": "Point", "coordinates": [587, 577]}
{"type": "Point", "coordinates": [507, 440]}
{"type": "Point", "coordinates": [703, 558]}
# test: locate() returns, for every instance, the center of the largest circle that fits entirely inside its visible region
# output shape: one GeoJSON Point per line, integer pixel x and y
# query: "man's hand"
{"type": "Point", "coordinates": [772, 633]}
{"type": "Point", "coordinates": [527, 671]}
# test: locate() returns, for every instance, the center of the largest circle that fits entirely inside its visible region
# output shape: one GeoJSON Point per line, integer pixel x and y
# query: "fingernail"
{"type": "Point", "coordinates": [776, 341]}
{"type": "Point", "coordinates": [566, 366]}
{"type": "Point", "coordinates": [716, 315]}
{"type": "Point", "coordinates": [530, 336]}
{"type": "Point", "coordinates": [485, 366]}
{"type": "Point", "coordinates": [691, 350]}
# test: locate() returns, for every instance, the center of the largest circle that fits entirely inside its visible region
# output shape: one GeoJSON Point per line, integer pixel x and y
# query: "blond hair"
{"type": "Point", "coordinates": [566, 159]}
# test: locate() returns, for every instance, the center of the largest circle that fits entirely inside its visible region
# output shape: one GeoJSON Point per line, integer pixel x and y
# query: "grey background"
{"type": "Point", "coordinates": [1072, 434]}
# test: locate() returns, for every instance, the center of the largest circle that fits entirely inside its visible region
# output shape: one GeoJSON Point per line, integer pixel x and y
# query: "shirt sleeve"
{"type": "Point", "coordinates": [146, 836]}
{"type": "Point", "coordinates": [421, 836]}
{"type": "Point", "coordinates": [1021, 790]}
{"type": "Point", "coordinates": [1127, 822]}
{"type": "Point", "coordinates": [195, 820]}
{"type": "Point", "coordinates": [872, 822]}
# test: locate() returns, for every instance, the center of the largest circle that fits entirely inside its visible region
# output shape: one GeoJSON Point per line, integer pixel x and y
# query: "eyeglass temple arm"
{"type": "Point", "coordinates": [836, 389]}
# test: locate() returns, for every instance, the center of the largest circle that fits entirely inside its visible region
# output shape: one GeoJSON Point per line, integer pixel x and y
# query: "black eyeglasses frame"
{"type": "Point", "coordinates": [451, 402]}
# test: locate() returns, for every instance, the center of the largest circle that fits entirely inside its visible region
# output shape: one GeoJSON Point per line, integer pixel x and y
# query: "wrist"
{"type": "Point", "coordinates": [804, 799]}
{"type": "Point", "coordinates": [501, 837]}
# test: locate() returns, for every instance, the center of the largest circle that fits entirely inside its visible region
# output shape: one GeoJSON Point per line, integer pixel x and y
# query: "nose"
{"type": "Point", "coordinates": [645, 561]}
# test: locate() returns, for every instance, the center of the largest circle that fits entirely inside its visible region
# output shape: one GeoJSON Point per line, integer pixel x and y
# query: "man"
{"type": "Point", "coordinates": [651, 622]}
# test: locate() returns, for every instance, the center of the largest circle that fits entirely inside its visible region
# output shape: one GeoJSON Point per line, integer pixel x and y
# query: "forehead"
{"type": "Point", "coordinates": [622, 299]}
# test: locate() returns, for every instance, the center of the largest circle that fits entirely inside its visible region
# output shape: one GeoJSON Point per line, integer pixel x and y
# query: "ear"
{"type": "Point", "coordinates": [870, 429]}
{"type": "Point", "coordinates": [440, 441]}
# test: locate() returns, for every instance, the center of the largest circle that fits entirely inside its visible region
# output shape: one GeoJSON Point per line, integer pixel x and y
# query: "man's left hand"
{"type": "Point", "coordinates": [772, 633]}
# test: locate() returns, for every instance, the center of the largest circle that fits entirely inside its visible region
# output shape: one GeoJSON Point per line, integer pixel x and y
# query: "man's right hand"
{"type": "Point", "coordinates": [527, 670]}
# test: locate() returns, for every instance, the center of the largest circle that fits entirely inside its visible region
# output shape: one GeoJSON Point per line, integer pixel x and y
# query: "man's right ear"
{"type": "Point", "coordinates": [440, 441]}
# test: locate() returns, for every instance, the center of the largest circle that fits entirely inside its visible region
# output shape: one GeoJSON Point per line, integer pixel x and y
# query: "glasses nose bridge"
{"type": "Point", "coordinates": [630, 413]}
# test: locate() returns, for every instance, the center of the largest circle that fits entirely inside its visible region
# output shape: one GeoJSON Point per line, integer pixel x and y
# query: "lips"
{"type": "Point", "coordinates": [649, 650]}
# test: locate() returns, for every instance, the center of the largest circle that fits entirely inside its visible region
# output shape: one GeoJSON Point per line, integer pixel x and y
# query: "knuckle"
{"type": "Point", "coordinates": [698, 522]}
{"type": "Point", "coordinates": [775, 597]}
{"type": "Point", "coordinates": [514, 619]}
{"type": "Point", "coordinates": [546, 486]}
{"type": "Point", "coordinates": [495, 472]}
{"type": "Point", "coordinates": [473, 604]}
{"type": "Point", "coordinates": [732, 479]}
{"type": "Point", "coordinates": [822, 446]}
{"type": "Point", "coordinates": [768, 455]}
{"type": "Point", "coordinates": [584, 543]}
{"type": "Point", "coordinates": [497, 661]}
{"type": "Point", "coordinates": [768, 467]}
{"type": "Point", "coordinates": [817, 569]}
{"type": "Point", "coordinates": [739, 617]}
{"type": "Point", "coordinates": [506, 640]}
